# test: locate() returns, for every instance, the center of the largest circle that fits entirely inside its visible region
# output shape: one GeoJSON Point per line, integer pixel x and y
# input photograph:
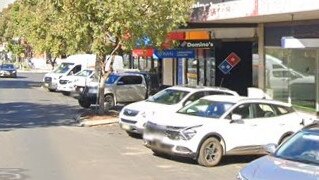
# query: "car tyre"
{"type": "Point", "coordinates": [84, 104]}
{"type": "Point", "coordinates": [51, 90]}
{"type": "Point", "coordinates": [158, 153]}
{"type": "Point", "coordinates": [108, 101]}
{"type": "Point", "coordinates": [210, 153]}
{"type": "Point", "coordinates": [134, 135]}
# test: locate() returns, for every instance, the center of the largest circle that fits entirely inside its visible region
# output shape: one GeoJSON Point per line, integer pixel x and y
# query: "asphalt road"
{"type": "Point", "coordinates": [40, 140]}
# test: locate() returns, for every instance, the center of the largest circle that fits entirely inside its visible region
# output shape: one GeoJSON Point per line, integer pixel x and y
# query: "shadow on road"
{"type": "Point", "coordinates": [18, 84]}
{"type": "Point", "coordinates": [227, 160]}
{"type": "Point", "coordinates": [30, 115]}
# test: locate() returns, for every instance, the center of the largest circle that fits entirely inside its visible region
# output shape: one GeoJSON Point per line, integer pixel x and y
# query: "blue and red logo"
{"type": "Point", "coordinates": [229, 63]}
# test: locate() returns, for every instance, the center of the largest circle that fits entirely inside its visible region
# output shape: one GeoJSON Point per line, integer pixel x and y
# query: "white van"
{"type": "Point", "coordinates": [74, 64]}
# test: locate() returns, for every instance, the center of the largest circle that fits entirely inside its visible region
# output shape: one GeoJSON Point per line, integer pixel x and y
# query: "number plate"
{"type": "Point", "coordinates": [126, 127]}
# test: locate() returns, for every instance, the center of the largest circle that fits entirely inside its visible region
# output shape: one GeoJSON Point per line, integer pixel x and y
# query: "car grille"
{"type": "Point", "coordinates": [63, 81]}
{"type": "Point", "coordinates": [129, 112]}
{"type": "Point", "coordinates": [168, 131]}
{"type": "Point", "coordinates": [128, 121]}
{"type": "Point", "coordinates": [47, 79]}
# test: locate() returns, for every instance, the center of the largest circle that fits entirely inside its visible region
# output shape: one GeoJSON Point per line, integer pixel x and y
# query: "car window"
{"type": "Point", "coordinates": [264, 110]}
{"type": "Point", "coordinates": [195, 96]}
{"type": "Point", "coordinates": [281, 110]}
{"type": "Point", "coordinates": [245, 110]}
{"type": "Point", "coordinates": [206, 108]}
{"type": "Point", "coordinates": [168, 96]}
{"type": "Point", "coordinates": [129, 80]}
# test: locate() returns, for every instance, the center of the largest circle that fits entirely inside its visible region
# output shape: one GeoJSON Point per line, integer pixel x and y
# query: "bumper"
{"type": "Point", "coordinates": [7, 74]}
{"type": "Point", "coordinates": [131, 126]}
{"type": "Point", "coordinates": [169, 147]}
{"type": "Point", "coordinates": [50, 85]}
{"type": "Point", "coordinates": [67, 88]}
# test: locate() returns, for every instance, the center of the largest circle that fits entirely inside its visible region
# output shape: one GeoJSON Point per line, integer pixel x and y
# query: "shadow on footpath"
{"type": "Point", "coordinates": [226, 160]}
{"type": "Point", "coordinates": [30, 115]}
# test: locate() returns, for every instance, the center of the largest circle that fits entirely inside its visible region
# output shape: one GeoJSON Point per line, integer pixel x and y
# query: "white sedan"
{"type": "Point", "coordinates": [215, 126]}
{"type": "Point", "coordinates": [134, 116]}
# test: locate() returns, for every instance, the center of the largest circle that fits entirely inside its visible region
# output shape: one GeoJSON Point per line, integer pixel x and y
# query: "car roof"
{"type": "Point", "coordinates": [241, 99]}
{"type": "Point", "coordinates": [200, 88]}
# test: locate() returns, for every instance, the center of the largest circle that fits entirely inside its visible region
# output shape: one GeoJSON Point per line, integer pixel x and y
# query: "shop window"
{"type": "Point", "coordinates": [290, 75]}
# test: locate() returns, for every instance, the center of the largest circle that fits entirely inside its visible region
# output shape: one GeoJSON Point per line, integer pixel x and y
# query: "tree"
{"type": "Point", "coordinates": [111, 24]}
{"type": "Point", "coordinates": [104, 27]}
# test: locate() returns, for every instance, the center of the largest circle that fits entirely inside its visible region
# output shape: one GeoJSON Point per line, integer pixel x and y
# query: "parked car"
{"type": "Point", "coordinates": [297, 158]}
{"type": "Point", "coordinates": [67, 84]}
{"type": "Point", "coordinates": [122, 88]}
{"type": "Point", "coordinates": [134, 116]}
{"type": "Point", "coordinates": [74, 64]}
{"type": "Point", "coordinates": [215, 126]}
{"type": "Point", "coordinates": [8, 70]}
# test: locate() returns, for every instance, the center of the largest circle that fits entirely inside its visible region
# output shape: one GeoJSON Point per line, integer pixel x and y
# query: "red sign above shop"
{"type": "Point", "coordinates": [143, 52]}
{"type": "Point", "coordinates": [176, 35]}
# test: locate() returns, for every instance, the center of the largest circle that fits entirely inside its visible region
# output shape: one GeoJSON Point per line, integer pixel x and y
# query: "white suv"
{"type": "Point", "coordinates": [134, 116]}
{"type": "Point", "coordinates": [215, 126]}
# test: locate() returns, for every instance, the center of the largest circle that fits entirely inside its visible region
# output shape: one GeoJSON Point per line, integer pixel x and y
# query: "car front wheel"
{"type": "Point", "coordinates": [210, 153]}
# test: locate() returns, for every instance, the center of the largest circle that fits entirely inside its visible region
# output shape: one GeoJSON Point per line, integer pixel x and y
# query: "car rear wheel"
{"type": "Point", "coordinates": [210, 153]}
{"type": "Point", "coordinates": [84, 104]}
{"type": "Point", "coordinates": [108, 101]}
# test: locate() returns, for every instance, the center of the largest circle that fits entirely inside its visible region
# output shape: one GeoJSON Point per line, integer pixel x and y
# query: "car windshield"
{"type": "Point", "coordinates": [63, 68]}
{"type": "Point", "coordinates": [84, 73]}
{"type": "Point", "coordinates": [168, 96]}
{"type": "Point", "coordinates": [206, 108]}
{"type": "Point", "coordinates": [7, 66]}
{"type": "Point", "coordinates": [111, 79]}
{"type": "Point", "coordinates": [302, 147]}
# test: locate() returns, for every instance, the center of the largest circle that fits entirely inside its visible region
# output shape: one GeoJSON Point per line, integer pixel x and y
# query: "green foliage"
{"type": "Point", "coordinates": [72, 26]}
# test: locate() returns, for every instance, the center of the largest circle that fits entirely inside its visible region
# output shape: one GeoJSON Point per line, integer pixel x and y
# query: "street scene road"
{"type": "Point", "coordinates": [41, 140]}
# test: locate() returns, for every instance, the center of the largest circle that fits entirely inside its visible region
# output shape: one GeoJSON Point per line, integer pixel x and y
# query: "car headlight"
{"type": "Point", "coordinates": [240, 176]}
{"type": "Point", "coordinates": [189, 132]}
{"type": "Point", "coordinates": [14, 72]}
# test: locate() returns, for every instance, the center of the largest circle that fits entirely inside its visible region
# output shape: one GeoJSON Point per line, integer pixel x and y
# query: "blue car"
{"type": "Point", "coordinates": [8, 70]}
{"type": "Point", "coordinates": [297, 158]}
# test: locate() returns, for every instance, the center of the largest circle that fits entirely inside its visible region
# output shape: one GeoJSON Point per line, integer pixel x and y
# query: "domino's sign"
{"type": "Point", "coordinates": [229, 63]}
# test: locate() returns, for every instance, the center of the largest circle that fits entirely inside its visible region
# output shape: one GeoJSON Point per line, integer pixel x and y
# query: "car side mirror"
{"type": "Point", "coordinates": [120, 83]}
{"type": "Point", "coordinates": [270, 148]}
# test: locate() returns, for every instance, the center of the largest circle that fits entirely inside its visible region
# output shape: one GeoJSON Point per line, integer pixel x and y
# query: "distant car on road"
{"type": "Point", "coordinates": [297, 158]}
{"type": "Point", "coordinates": [133, 117]}
{"type": "Point", "coordinates": [8, 70]}
{"type": "Point", "coordinates": [215, 126]}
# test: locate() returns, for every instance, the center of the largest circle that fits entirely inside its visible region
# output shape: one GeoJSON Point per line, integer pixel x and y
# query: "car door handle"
{"type": "Point", "coordinates": [253, 125]}
{"type": "Point", "coordinates": [282, 124]}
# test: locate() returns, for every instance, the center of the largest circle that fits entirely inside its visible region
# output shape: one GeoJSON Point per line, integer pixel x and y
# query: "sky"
{"type": "Point", "coordinates": [4, 3]}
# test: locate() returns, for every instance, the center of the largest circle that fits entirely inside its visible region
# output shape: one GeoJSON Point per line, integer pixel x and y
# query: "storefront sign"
{"type": "Point", "coordinates": [196, 44]}
{"type": "Point", "coordinates": [229, 63]}
{"type": "Point", "coordinates": [175, 53]}
{"type": "Point", "coordinates": [142, 52]}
